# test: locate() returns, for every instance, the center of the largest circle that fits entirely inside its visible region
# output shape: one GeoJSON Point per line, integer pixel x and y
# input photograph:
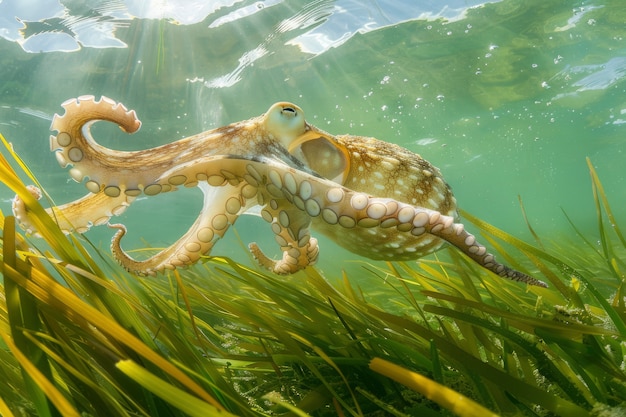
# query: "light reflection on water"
{"type": "Point", "coordinates": [507, 98]}
{"type": "Point", "coordinates": [50, 25]}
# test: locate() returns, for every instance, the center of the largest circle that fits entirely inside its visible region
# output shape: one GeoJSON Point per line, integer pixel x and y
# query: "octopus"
{"type": "Point", "coordinates": [374, 198]}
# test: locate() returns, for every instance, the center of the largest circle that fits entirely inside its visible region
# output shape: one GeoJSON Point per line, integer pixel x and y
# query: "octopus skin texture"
{"type": "Point", "coordinates": [374, 198]}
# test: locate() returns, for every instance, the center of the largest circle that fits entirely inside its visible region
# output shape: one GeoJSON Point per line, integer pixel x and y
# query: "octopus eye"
{"type": "Point", "coordinates": [289, 111]}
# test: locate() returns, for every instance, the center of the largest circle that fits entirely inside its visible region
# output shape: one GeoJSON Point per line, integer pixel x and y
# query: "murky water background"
{"type": "Point", "coordinates": [507, 98]}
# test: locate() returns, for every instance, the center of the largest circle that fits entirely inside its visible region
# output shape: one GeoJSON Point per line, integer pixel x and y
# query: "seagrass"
{"type": "Point", "coordinates": [81, 336]}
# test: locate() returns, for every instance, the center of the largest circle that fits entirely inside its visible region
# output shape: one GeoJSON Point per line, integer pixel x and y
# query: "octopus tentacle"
{"type": "Point", "coordinates": [77, 216]}
{"type": "Point", "coordinates": [413, 229]}
{"type": "Point", "coordinates": [135, 172]}
{"type": "Point", "coordinates": [291, 228]}
{"type": "Point", "coordinates": [20, 210]}
{"type": "Point", "coordinates": [74, 145]}
{"type": "Point", "coordinates": [455, 233]}
{"type": "Point", "coordinates": [228, 193]}
{"type": "Point", "coordinates": [336, 205]}
{"type": "Point", "coordinates": [220, 210]}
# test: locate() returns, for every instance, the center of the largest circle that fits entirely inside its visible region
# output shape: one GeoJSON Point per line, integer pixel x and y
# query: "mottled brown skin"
{"type": "Point", "coordinates": [374, 198]}
{"type": "Point", "coordinates": [389, 171]}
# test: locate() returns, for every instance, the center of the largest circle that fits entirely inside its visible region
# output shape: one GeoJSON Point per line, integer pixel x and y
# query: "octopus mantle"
{"type": "Point", "coordinates": [372, 197]}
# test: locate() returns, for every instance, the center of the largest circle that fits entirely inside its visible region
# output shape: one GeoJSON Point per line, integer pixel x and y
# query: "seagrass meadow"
{"type": "Point", "coordinates": [81, 337]}
{"type": "Point", "coordinates": [507, 98]}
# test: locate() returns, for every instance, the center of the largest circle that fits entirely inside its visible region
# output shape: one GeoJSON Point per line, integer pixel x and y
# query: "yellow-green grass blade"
{"type": "Point", "coordinates": [22, 316]}
{"type": "Point", "coordinates": [442, 395]}
{"type": "Point", "coordinates": [5, 411]}
{"type": "Point", "coordinates": [41, 220]}
{"type": "Point", "coordinates": [605, 201]}
{"type": "Point", "coordinates": [63, 246]}
{"type": "Point", "coordinates": [565, 268]}
{"type": "Point", "coordinates": [182, 400]}
{"type": "Point", "coordinates": [463, 359]}
{"type": "Point", "coordinates": [62, 406]}
{"type": "Point", "coordinates": [99, 394]}
{"type": "Point", "coordinates": [528, 225]}
{"type": "Point", "coordinates": [296, 411]}
{"type": "Point", "coordinates": [62, 300]}
{"type": "Point", "coordinates": [526, 323]}
{"type": "Point", "coordinates": [103, 300]}
{"type": "Point", "coordinates": [546, 366]}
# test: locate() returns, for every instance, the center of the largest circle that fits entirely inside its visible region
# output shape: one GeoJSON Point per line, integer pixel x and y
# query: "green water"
{"type": "Point", "coordinates": [507, 99]}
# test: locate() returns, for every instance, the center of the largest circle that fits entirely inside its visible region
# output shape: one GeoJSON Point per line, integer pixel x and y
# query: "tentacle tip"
{"type": "Point", "coordinates": [133, 126]}
{"type": "Point", "coordinates": [117, 226]}
{"type": "Point", "coordinates": [527, 279]}
{"type": "Point", "coordinates": [117, 237]}
{"type": "Point", "coordinates": [538, 283]}
{"type": "Point", "coordinates": [258, 254]}
{"type": "Point", "coordinates": [263, 260]}
{"type": "Point", "coordinates": [35, 191]}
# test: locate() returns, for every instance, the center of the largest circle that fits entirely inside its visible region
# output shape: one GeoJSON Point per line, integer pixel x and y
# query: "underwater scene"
{"type": "Point", "coordinates": [216, 298]}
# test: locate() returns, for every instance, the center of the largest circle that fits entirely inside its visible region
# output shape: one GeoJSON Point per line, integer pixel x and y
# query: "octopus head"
{"type": "Point", "coordinates": [316, 149]}
{"type": "Point", "coordinates": [285, 121]}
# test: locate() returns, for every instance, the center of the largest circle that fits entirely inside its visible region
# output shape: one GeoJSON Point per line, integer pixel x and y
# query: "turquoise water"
{"type": "Point", "coordinates": [507, 98]}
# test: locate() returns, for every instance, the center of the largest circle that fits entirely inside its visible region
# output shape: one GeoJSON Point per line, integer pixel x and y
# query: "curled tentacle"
{"type": "Point", "coordinates": [291, 229]}
{"type": "Point", "coordinates": [74, 145]}
{"type": "Point", "coordinates": [290, 262]}
{"type": "Point", "coordinates": [220, 210]}
{"type": "Point", "coordinates": [231, 186]}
